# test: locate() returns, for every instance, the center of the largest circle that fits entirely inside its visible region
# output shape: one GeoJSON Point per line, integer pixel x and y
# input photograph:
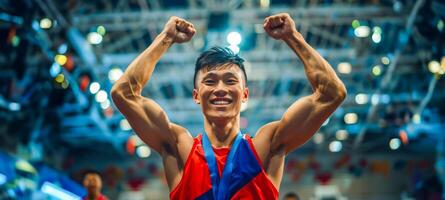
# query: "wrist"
{"type": "Point", "coordinates": [165, 39]}
{"type": "Point", "coordinates": [295, 36]}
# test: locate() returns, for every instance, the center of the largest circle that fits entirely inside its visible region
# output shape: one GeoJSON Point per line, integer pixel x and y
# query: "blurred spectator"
{"type": "Point", "coordinates": [93, 184]}
{"type": "Point", "coordinates": [291, 196]}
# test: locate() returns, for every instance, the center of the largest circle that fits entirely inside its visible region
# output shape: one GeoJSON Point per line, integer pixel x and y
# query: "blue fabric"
{"type": "Point", "coordinates": [206, 196]}
{"type": "Point", "coordinates": [228, 169]}
{"type": "Point", "coordinates": [244, 166]}
{"type": "Point", "coordinates": [211, 163]}
{"type": "Point", "coordinates": [220, 185]}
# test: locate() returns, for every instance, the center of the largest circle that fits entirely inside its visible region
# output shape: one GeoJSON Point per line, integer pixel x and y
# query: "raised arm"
{"type": "Point", "coordinates": [145, 116]}
{"type": "Point", "coordinates": [305, 116]}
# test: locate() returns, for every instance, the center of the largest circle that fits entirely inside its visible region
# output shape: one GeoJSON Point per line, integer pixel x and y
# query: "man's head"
{"type": "Point", "coordinates": [215, 58]}
{"type": "Point", "coordinates": [92, 181]}
{"type": "Point", "coordinates": [291, 196]}
{"type": "Point", "coordinates": [220, 83]}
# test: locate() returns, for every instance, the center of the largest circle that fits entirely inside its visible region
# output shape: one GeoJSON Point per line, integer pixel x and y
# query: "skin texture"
{"type": "Point", "coordinates": [273, 141]}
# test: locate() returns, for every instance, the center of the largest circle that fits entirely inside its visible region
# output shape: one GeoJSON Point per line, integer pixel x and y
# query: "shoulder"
{"type": "Point", "coordinates": [181, 133]}
{"type": "Point", "coordinates": [262, 139]}
{"type": "Point", "coordinates": [266, 132]}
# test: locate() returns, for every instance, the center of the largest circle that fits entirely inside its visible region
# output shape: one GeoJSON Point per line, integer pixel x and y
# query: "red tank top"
{"type": "Point", "coordinates": [100, 197]}
{"type": "Point", "coordinates": [249, 180]}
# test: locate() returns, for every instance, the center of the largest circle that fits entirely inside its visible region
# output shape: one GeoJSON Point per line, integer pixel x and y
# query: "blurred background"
{"type": "Point", "coordinates": [59, 59]}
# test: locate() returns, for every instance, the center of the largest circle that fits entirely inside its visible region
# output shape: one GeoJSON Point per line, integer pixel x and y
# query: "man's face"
{"type": "Point", "coordinates": [92, 182]}
{"type": "Point", "coordinates": [221, 91]}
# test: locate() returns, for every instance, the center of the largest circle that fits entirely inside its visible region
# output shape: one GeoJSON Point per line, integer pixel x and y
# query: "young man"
{"type": "Point", "coordinates": [222, 163]}
{"type": "Point", "coordinates": [93, 184]}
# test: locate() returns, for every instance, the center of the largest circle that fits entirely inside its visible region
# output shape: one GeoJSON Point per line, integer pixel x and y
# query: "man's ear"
{"type": "Point", "coordinates": [245, 95]}
{"type": "Point", "coordinates": [195, 96]}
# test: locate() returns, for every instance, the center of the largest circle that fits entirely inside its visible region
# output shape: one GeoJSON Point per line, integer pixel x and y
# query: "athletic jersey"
{"type": "Point", "coordinates": [249, 180]}
{"type": "Point", "coordinates": [100, 197]}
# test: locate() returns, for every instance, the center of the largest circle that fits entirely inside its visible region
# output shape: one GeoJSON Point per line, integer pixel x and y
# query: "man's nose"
{"type": "Point", "coordinates": [220, 89]}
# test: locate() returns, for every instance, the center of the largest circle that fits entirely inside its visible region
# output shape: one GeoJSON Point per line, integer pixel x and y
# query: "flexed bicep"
{"type": "Point", "coordinates": [145, 116]}
{"type": "Point", "coordinates": [307, 114]}
{"type": "Point", "coordinates": [147, 119]}
{"type": "Point", "coordinates": [302, 119]}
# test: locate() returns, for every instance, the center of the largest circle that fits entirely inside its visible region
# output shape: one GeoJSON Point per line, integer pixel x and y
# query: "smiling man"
{"type": "Point", "coordinates": [222, 163]}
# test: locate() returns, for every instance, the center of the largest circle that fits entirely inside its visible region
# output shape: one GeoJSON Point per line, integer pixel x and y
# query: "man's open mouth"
{"type": "Point", "coordinates": [220, 101]}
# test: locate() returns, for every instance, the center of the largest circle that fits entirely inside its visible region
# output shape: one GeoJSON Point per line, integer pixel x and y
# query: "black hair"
{"type": "Point", "coordinates": [90, 171]}
{"type": "Point", "coordinates": [216, 57]}
{"type": "Point", "coordinates": [292, 195]}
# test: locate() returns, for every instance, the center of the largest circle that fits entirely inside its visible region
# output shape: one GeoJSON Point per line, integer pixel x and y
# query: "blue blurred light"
{"type": "Point", "coordinates": [397, 6]}
{"type": "Point", "coordinates": [2, 179]}
{"type": "Point", "coordinates": [13, 106]}
{"type": "Point", "coordinates": [35, 25]}
{"type": "Point", "coordinates": [62, 49]}
{"type": "Point", "coordinates": [385, 98]}
{"type": "Point", "coordinates": [55, 69]}
{"type": "Point", "coordinates": [58, 192]}
{"type": "Point", "coordinates": [234, 38]}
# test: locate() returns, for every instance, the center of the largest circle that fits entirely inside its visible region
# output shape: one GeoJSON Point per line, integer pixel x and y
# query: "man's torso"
{"type": "Point", "coordinates": [248, 180]}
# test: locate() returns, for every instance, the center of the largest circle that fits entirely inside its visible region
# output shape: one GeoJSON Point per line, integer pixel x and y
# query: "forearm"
{"type": "Point", "coordinates": [319, 72]}
{"type": "Point", "coordinates": [139, 71]}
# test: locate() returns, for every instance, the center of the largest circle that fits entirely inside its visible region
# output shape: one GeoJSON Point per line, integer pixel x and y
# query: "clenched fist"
{"type": "Point", "coordinates": [179, 30]}
{"type": "Point", "coordinates": [279, 26]}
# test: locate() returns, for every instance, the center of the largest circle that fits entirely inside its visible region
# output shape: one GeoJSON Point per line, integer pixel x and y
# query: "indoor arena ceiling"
{"type": "Point", "coordinates": [382, 50]}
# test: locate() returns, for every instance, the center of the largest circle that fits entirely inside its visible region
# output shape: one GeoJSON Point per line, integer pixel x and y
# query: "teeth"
{"type": "Point", "coordinates": [220, 102]}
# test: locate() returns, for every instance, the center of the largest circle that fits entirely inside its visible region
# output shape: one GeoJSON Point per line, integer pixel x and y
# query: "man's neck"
{"type": "Point", "coordinates": [222, 133]}
{"type": "Point", "coordinates": [93, 195]}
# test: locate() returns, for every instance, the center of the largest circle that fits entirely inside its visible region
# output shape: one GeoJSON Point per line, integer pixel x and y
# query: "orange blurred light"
{"type": "Point", "coordinates": [403, 136]}
{"type": "Point", "coordinates": [84, 82]}
{"type": "Point", "coordinates": [131, 145]}
{"type": "Point", "coordinates": [69, 65]}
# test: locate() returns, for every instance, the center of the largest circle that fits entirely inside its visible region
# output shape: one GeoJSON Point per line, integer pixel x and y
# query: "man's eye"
{"type": "Point", "coordinates": [209, 81]}
{"type": "Point", "coordinates": [231, 81]}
